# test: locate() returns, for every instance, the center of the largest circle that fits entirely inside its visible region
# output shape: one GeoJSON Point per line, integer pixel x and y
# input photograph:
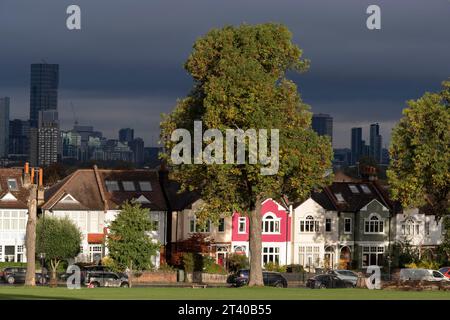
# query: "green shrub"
{"type": "Point", "coordinates": [210, 266]}
{"type": "Point", "coordinates": [164, 267]}
{"type": "Point", "coordinates": [237, 262]}
{"type": "Point", "coordinates": [295, 268]}
{"type": "Point", "coordinates": [271, 266]}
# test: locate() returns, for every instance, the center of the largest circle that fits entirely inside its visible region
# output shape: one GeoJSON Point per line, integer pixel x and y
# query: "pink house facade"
{"type": "Point", "coordinates": [276, 233]}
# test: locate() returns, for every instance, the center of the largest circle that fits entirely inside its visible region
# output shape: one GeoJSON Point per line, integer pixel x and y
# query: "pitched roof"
{"type": "Point", "coordinates": [21, 193]}
{"type": "Point", "coordinates": [88, 187]}
{"type": "Point", "coordinates": [179, 201]}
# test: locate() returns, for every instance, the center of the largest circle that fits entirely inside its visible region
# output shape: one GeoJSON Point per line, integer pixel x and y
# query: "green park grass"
{"type": "Point", "coordinates": [267, 293]}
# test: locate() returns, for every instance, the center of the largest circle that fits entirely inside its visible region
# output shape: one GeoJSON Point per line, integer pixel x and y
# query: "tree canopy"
{"type": "Point", "coordinates": [59, 239]}
{"type": "Point", "coordinates": [240, 82]}
{"type": "Point", "coordinates": [129, 242]}
{"type": "Point", "coordinates": [419, 172]}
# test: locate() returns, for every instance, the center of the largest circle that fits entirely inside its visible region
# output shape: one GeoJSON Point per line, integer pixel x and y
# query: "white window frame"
{"type": "Point", "coordinates": [218, 225]}
{"type": "Point", "coordinates": [309, 225]}
{"type": "Point", "coordinates": [331, 225]}
{"type": "Point", "coordinates": [270, 254]}
{"type": "Point", "coordinates": [207, 228]}
{"type": "Point", "coordinates": [377, 224]}
{"type": "Point", "coordinates": [271, 221]}
{"type": "Point", "coordinates": [369, 250]}
{"type": "Point", "coordinates": [242, 221]}
{"type": "Point", "coordinates": [351, 226]}
{"type": "Point", "coordinates": [410, 227]}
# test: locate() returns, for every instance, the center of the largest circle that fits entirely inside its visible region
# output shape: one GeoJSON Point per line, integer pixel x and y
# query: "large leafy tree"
{"type": "Point", "coordinates": [129, 242]}
{"type": "Point", "coordinates": [59, 239]}
{"type": "Point", "coordinates": [240, 82]}
{"type": "Point", "coordinates": [419, 173]}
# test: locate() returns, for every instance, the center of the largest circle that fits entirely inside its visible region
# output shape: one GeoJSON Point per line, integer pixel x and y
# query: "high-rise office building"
{"type": "Point", "coordinates": [356, 145]}
{"type": "Point", "coordinates": [323, 125]}
{"type": "Point", "coordinates": [4, 127]}
{"type": "Point", "coordinates": [137, 146]}
{"type": "Point", "coordinates": [43, 90]}
{"type": "Point", "coordinates": [19, 134]}
{"type": "Point", "coordinates": [375, 143]}
{"type": "Point", "coordinates": [45, 140]}
{"type": "Point", "coordinates": [126, 135]}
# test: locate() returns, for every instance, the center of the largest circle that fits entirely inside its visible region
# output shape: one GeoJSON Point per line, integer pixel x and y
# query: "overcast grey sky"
{"type": "Point", "coordinates": [125, 66]}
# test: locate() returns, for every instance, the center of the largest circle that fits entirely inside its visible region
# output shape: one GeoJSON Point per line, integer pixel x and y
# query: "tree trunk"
{"type": "Point", "coordinates": [30, 238]}
{"type": "Point", "coordinates": [256, 277]}
{"type": "Point", "coordinates": [53, 280]}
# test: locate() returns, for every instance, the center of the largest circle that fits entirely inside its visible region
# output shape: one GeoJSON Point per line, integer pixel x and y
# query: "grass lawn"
{"type": "Point", "coordinates": [267, 293]}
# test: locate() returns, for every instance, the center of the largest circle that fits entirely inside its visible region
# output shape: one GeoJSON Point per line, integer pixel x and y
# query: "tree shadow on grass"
{"type": "Point", "coordinates": [14, 296]}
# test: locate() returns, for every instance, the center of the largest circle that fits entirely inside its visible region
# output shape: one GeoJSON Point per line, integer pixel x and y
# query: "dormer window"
{"type": "Point", "coordinates": [366, 189]}
{"type": "Point", "coordinates": [353, 188]}
{"type": "Point", "coordinates": [145, 185]}
{"type": "Point", "coordinates": [339, 197]}
{"type": "Point", "coordinates": [112, 185]}
{"type": "Point", "coordinates": [12, 184]}
{"type": "Point", "coordinates": [128, 186]}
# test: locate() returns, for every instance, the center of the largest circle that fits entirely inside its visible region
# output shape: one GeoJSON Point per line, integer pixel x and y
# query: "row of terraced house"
{"type": "Point", "coordinates": [349, 224]}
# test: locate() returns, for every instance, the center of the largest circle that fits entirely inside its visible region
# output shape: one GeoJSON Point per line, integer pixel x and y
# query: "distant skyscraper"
{"type": "Point", "coordinates": [19, 134]}
{"type": "Point", "coordinates": [43, 90]}
{"type": "Point", "coordinates": [126, 135]}
{"type": "Point", "coordinates": [323, 125]}
{"type": "Point", "coordinates": [137, 146]}
{"type": "Point", "coordinates": [375, 143]}
{"type": "Point", "coordinates": [45, 139]}
{"type": "Point", "coordinates": [356, 144]}
{"type": "Point", "coordinates": [4, 127]}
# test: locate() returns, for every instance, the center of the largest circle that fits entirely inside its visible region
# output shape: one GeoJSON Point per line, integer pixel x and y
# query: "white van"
{"type": "Point", "coordinates": [422, 274]}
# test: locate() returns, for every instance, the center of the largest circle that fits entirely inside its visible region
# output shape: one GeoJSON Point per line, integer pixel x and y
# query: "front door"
{"type": "Point", "coordinates": [329, 260]}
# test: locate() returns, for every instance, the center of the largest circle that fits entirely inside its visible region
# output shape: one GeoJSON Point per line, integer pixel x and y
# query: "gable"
{"type": "Point", "coordinates": [142, 199]}
{"type": "Point", "coordinates": [68, 199]}
{"type": "Point", "coordinates": [372, 203]}
{"type": "Point", "coordinates": [8, 197]}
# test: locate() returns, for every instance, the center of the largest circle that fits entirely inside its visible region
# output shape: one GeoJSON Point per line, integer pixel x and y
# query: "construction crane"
{"type": "Point", "coordinates": [75, 120]}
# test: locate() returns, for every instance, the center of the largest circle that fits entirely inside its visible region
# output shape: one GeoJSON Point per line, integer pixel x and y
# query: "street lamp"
{"type": "Point", "coordinates": [42, 259]}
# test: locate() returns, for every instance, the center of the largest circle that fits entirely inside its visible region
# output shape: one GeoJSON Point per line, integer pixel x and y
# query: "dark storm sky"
{"type": "Point", "coordinates": [124, 68]}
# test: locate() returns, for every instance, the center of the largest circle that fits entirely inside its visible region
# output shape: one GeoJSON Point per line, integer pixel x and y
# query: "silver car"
{"type": "Point", "coordinates": [346, 275]}
{"type": "Point", "coordinates": [107, 279]}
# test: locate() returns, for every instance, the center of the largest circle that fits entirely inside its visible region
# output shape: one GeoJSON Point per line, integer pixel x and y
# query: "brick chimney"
{"type": "Point", "coordinates": [369, 173]}
{"type": "Point", "coordinates": [26, 175]}
{"type": "Point", "coordinates": [40, 189]}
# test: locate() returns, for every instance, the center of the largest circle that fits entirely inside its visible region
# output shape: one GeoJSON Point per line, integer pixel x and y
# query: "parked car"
{"type": "Point", "coordinates": [328, 281]}
{"type": "Point", "coordinates": [422, 275]}
{"type": "Point", "coordinates": [445, 271]}
{"type": "Point", "coordinates": [346, 275]}
{"type": "Point", "coordinates": [87, 270]}
{"type": "Point", "coordinates": [272, 279]}
{"type": "Point", "coordinates": [13, 275]}
{"type": "Point", "coordinates": [107, 279]}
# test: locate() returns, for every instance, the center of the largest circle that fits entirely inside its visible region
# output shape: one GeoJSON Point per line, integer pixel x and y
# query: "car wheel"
{"type": "Point", "coordinates": [124, 285]}
{"type": "Point", "coordinates": [322, 286]}
{"type": "Point", "coordinates": [11, 280]}
{"type": "Point", "coordinates": [95, 284]}
{"type": "Point", "coordinates": [279, 285]}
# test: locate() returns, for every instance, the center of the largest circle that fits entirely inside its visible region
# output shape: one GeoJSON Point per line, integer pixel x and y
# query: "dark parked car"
{"type": "Point", "coordinates": [327, 281]}
{"type": "Point", "coordinates": [85, 271]}
{"type": "Point", "coordinates": [107, 279]}
{"type": "Point", "coordinates": [14, 275]}
{"type": "Point", "coordinates": [272, 279]}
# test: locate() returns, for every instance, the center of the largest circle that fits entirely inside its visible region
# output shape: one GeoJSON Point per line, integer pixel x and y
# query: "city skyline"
{"type": "Point", "coordinates": [357, 76]}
